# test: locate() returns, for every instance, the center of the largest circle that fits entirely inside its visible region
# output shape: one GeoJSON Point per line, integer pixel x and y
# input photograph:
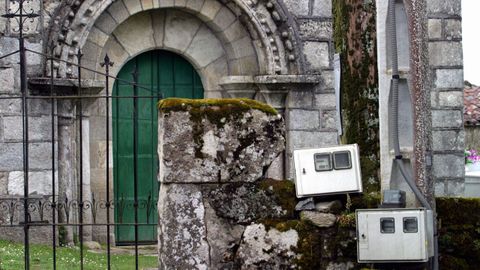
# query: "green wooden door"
{"type": "Point", "coordinates": [158, 72]}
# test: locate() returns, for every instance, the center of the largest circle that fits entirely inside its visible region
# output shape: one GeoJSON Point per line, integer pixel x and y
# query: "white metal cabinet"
{"type": "Point", "coordinates": [394, 235]}
{"type": "Point", "coordinates": [327, 170]}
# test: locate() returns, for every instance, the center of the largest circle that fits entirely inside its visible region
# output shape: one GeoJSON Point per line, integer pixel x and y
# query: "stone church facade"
{"type": "Point", "coordinates": [278, 52]}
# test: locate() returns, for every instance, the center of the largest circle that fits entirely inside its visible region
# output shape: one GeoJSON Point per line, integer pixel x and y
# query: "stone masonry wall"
{"type": "Point", "coordinates": [446, 65]}
{"type": "Point", "coordinates": [311, 113]}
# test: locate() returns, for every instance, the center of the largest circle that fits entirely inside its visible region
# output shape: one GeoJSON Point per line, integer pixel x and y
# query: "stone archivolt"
{"type": "Point", "coordinates": [264, 25]}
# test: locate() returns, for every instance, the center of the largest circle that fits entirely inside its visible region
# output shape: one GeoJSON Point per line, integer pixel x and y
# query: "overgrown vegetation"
{"type": "Point", "coordinates": [355, 40]}
{"type": "Point", "coordinates": [41, 258]}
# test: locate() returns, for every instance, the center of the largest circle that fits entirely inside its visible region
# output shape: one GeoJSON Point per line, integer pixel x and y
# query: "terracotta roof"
{"type": "Point", "coordinates": [471, 100]}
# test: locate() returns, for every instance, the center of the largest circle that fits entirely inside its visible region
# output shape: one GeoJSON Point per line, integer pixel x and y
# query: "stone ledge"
{"type": "Point", "coordinates": [41, 86]}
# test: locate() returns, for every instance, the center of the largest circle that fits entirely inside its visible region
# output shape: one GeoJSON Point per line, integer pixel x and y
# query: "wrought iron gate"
{"type": "Point", "coordinates": [55, 213]}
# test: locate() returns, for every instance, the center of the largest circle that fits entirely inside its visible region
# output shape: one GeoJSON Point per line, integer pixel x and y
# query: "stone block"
{"type": "Point", "coordinates": [8, 45]}
{"type": "Point", "coordinates": [11, 156]}
{"type": "Point", "coordinates": [297, 7]}
{"type": "Point", "coordinates": [205, 48]}
{"type": "Point", "coordinates": [115, 51]}
{"type": "Point", "coordinates": [234, 32]}
{"type": "Point", "coordinates": [38, 107]}
{"type": "Point", "coordinates": [300, 99]}
{"type": "Point", "coordinates": [325, 101]}
{"type": "Point", "coordinates": [329, 119]}
{"type": "Point", "coordinates": [236, 149]}
{"type": "Point", "coordinates": [448, 166]}
{"type": "Point", "coordinates": [322, 220]}
{"type": "Point", "coordinates": [329, 206]}
{"type": "Point", "coordinates": [310, 139]}
{"type": "Point", "coordinates": [303, 120]}
{"type": "Point", "coordinates": [209, 10]}
{"type": "Point", "coordinates": [244, 66]}
{"type": "Point", "coordinates": [10, 106]}
{"type": "Point", "coordinates": [266, 249]}
{"type": "Point", "coordinates": [447, 118]}
{"type": "Point", "coordinates": [91, 51]}
{"type": "Point", "coordinates": [40, 156]}
{"type": "Point", "coordinates": [181, 212]}
{"type": "Point", "coordinates": [453, 29]}
{"type": "Point", "coordinates": [434, 28]}
{"type": "Point", "coordinates": [314, 29]}
{"type": "Point", "coordinates": [317, 55]}
{"type": "Point", "coordinates": [158, 25]}
{"type": "Point", "coordinates": [240, 48]}
{"type": "Point", "coordinates": [39, 183]}
{"type": "Point", "coordinates": [39, 128]}
{"type": "Point", "coordinates": [328, 78]}
{"type": "Point", "coordinates": [180, 28]}
{"type": "Point", "coordinates": [119, 11]}
{"type": "Point", "coordinates": [440, 188]}
{"type": "Point", "coordinates": [133, 6]}
{"type": "Point", "coordinates": [442, 7]}
{"type": "Point", "coordinates": [166, 3]}
{"type": "Point", "coordinates": [212, 74]}
{"type": "Point", "coordinates": [448, 140]}
{"type": "Point", "coordinates": [449, 78]}
{"type": "Point", "coordinates": [223, 19]}
{"type": "Point", "coordinates": [147, 4]}
{"type": "Point", "coordinates": [3, 183]}
{"type": "Point", "coordinates": [194, 5]}
{"type": "Point", "coordinates": [97, 36]}
{"type": "Point", "coordinates": [455, 188]}
{"type": "Point", "coordinates": [7, 80]}
{"type": "Point", "coordinates": [450, 99]}
{"type": "Point", "coordinates": [445, 53]}
{"type": "Point", "coordinates": [133, 40]}
{"type": "Point", "coordinates": [322, 8]}
{"type": "Point", "coordinates": [106, 23]}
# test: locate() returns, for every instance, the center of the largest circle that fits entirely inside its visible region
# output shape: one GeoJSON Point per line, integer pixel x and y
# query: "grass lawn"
{"type": "Point", "coordinates": [41, 258]}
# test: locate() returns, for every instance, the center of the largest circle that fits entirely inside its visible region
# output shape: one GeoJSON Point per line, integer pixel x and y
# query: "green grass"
{"type": "Point", "coordinates": [41, 258]}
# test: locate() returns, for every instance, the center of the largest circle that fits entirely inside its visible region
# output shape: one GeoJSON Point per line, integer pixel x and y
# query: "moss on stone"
{"type": "Point", "coordinates": [284, 191]}
{"type": "Point", "coordinates": [365, 201]}
{"type": "Point", "coordinates": [216, 105]}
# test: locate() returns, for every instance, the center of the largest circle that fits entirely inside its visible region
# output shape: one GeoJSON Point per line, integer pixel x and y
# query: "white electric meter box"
{"type": "Point", "coordinates": [329, 170]}
{"type": "Point", "coordinates": [394, 235]}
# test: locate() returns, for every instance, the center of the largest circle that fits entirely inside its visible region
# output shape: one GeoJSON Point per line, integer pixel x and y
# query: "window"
{"type": "Point", "coordinates": [342, 160]}
{"type": "Point", "coordinates": [387, 225]}
{"type": "Point", "coordinates": [323, 162]}
{"type": "Point", "coordinates": [410, 225]}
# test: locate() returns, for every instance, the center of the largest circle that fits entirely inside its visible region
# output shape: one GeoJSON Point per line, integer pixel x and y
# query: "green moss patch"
{"type": "Point", "coordinates": [284, 191]}
{"type": "Point", "coordinates": [233, 104]}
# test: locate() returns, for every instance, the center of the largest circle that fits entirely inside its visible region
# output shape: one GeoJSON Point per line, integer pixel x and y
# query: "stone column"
{"type": "Point", "coordinates": [66, 166]}
{"type": "Point", "coordinates": [87, 192]}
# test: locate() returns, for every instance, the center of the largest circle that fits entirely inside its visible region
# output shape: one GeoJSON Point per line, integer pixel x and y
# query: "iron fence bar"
{"type": "Point", "coordinates": [86, 68]}
{"type": "Point", "coordinates": [135, 168]}
{"type": "Point", "coordinates": [23, 90]}
{"type": "Point", "coordinates": [80, 127]}
{"type": "Point", "coordinates": [107, 64]}
{"type": "Point", "coordinates": [82, 97]}
{"type": "Point", "coordinates": [33, 224]}
{"type": "Point", "coordinates": [9, 54]}
{"type": "Point", "coordinates": [54, 244]}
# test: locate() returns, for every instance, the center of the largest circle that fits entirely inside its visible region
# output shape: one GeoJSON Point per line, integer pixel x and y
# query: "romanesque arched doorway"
{"type": "Point", "coordinates": [159, 74]}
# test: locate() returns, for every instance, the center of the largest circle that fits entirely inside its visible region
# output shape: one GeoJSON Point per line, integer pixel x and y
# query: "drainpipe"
{"type": "Point", "coordinates": [395, 109]}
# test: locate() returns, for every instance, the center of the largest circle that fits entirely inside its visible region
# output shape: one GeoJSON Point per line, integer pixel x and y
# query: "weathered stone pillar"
{"type": "Point", "coordinates": [66, 166]}
{"type": "Point", "coordinates": [87, 192]}
{"type": "Point", "coordinates": [213, 154]}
